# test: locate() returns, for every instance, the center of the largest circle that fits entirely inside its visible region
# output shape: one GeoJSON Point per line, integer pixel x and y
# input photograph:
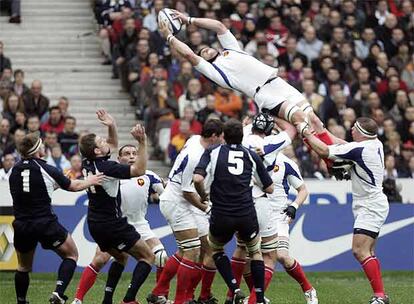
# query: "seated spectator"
{"type": "Point", "coordinates": [181, 82]}
{"type": "Point", "coordinates": [336, 109]}
{"type": "Point", "coordinates": [348, 119]}
{"type": "Point", "coordinates": [333, 76]}
{"type": "Point", "coordinates": [68, 139]}
{"type": "Point", "coordinates": [311, 96]}
{"type": "Point", "coordinates": [401, 105]}
{"type": "Point", "coordinates": [124, 48]}
{"type": "Point", "coordinates": [310, 45]}
{"type": "Point", "coordinates": [179, 139]}
{"type": "Point", "coordinates": [188, 116]}
{"type": "Point", "coordinates": [57, 159]}
{"type": "Point", "coordinates": [20, 121]}
{"type": "Point", "coordinates": [50, 140]}
{"type": "Point", "coordinates": [17, 138]}
{"type": "Point", "coordinates": [390, 170]}
{"type": "Point", "coordinates": [5, 137]}
{"type": "Point", "coordinates": [63, 104]}
{"type": "Point", "coordinates": [34, 101]}
{"type": "Point", "coordinates": [33, 124]}
{"type": "Point", "coordinates": [259, 38]}
{"type": "Point", "coordinates": [55, 122]}
{"type": "Point", "coordinates": [295, 75]}
{"type": "Point", "coordinates": [389, 97]}
{"type": "Point", "coordinates": [12, 105]}
{"type": "Point", "coordinates": [75, 170]}
{"type": "Point", "coordinates": [363, 45]}
{"type": "Point", "coordinates": [192, 97]}
{"type": "Point", "coordinates": [18, 86]}
{"type": "Point", "coordinates": [407, 74]}
{"type": "Point", "coordinates": [208, 110]}
{"type": "Point", "coordinates": [228, 103]}
{"type": "Point", "coordinates": [7, 162]}
{"type": "Point", "coordinates": [381, 67]}
{"type": "Point", "coordinates": [383, 85]}
{"type": "Point", "coordinates": [402, 58]}
{"type": "Point", "coordinates": [392, 190]}
{"type": "Point", "coordinates": [277, 33]}
{"type": "Point", "coordinates": [148, 69]}
{"type": "Point", "coordinates": [5, 83]}
{"type": "Point", "coordinates": [150, 20]}
{"type": "Point", "coordinates": [5, 62]}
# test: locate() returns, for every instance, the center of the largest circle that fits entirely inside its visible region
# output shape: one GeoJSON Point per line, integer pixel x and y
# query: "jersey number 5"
{"type": "Point", "coordinates": [236, 162]}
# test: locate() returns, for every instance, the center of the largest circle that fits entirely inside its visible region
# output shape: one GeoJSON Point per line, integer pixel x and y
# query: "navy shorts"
{"type": "Point", "coordinates": [116, 234]}
{"type": "Point", "coordinates": [45, 230]}
{"type": "Point", "coordinates": [223, 227]}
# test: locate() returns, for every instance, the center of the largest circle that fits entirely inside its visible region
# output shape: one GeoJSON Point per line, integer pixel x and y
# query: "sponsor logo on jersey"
{"type": "Point", "coordinates": [140, 181]}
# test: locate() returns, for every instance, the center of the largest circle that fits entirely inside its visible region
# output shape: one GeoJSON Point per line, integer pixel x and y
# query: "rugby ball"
{"type": "Point", "coordinates": [166, 15]}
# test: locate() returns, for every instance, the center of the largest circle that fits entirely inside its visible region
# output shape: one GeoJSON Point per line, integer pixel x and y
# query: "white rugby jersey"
{"type": "Point", "coordinates": [181, 175]}
{"type": "Point", "coordinates": [285, 174]}
{"type": "Point", "coordinates": [235, 69]}
{"type": "Point", "coordinates": [135, 193]}
{"type": "Point", "coordinates": [367, 173]}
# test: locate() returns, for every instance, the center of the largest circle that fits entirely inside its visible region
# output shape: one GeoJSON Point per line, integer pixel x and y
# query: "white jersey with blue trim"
{"type": "Point", "coordinates": [181, 175]}
{"type": "Point", "coordinates": [367, 172]}
{"type": "Point", "coordinates": [135, 193]}
{"type": "Point", "coordinates": [285, 174]}
{"type": "Point", "coordinates": [235, 69]}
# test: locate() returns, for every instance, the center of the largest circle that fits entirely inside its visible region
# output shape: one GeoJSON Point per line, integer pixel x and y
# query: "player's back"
{"type": "Point", "coordinates": [32, 182]}
{"type": "Point", "coordinates": [105, 200]}
{"type": "Point", "coordinates": [232, 168]}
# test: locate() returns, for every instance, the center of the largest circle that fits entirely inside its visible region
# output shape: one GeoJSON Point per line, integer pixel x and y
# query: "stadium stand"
{"type": "Point", "coordinates": [350, 58]}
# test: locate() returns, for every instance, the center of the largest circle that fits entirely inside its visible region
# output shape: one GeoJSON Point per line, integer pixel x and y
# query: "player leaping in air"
{"type": "Point", "coordinates": [233, 68]}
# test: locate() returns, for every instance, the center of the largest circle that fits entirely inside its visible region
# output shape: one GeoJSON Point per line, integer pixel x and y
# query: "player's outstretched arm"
{"type": "Point", "coordinates": [182, 49]}
{"type": "Point", "coordinates": [91, 180]}
{"type": "Point", "coordinates": [140, 165]}
{"type": "Point", "coordinates": [317, 145]}
{"type": "Point", "coordinates": [107, 120]}
{"type": "Point", "coordinates": [287, 127]}
{"type": "Point", "coordinates": [207, 23]}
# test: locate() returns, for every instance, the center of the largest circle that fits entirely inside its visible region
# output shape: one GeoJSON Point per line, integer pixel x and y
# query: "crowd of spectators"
{"type": "Point", "coordinates": [349, 58]}
{"type": "Point", "coordinates": [24, 110]}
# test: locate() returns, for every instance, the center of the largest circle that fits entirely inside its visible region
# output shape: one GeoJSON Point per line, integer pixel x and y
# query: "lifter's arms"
{"type": "Point", "coordinates": [140, 165]}
{"type": "Point", "coordinates": [286, 127]}
{"type": "Point", "coordinates": [317, 145]}
{"type": "Point", "coordinates": [107, 120]}
{"type": "Point", "coordinates": [92, 180]}
{"type": "Point", "coordinates": [207, 23]}
{"type": "Point", "coordinates": [195, 200]}
{"type": "Point", "coordinates": [181, 48]}
{"type": "Point", "coordinates": [198, 180]}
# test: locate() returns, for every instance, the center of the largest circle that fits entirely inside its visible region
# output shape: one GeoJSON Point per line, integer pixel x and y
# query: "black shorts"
{"type": "Point", "coordinates": [116, 234]}
{"type": "Point", "coordinates": [45, 230]}
{"type": "Point", "coordinates": [223, 227]}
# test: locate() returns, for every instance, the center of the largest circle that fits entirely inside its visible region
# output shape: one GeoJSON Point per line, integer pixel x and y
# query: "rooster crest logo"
{"type": "Point", "coordinates": [140, 181]}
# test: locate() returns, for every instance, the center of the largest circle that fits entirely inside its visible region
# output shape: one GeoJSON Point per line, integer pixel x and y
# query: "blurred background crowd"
{"type": "Point", "coordinates": [350, 58]}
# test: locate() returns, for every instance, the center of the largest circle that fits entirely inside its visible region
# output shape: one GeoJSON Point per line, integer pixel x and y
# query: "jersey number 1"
{"type": "Point", "coordinates": [85, 174]}
{"type": "Point", "coordinates": [26, 180]}
{"type": "Point", "coordinates": [236, 161]}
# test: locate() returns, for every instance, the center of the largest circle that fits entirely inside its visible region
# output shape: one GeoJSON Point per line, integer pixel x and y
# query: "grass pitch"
{"type": "Point", "coordinates": [333, 288]}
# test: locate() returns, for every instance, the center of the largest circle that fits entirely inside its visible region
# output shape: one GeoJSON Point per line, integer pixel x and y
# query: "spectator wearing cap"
{"type": "Point", "coordinates": [55, 123]}
{"type": "Point", "coordinates": [7, 162]}
{"type": "Point", "coordinates": [291, 52]}
{"type": "Point", "coordinates": [34, 101]}
{"type": "Point", "coordinates": [5, 62]}
{"type": "Point", "coordinates": [310, 45]}
{"type": "Point", "coordinates": [18, 86]}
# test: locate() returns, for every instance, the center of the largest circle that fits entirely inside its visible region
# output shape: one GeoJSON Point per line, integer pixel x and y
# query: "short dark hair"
{"type": "Point", "coordinates": [33, 116]}
{"type": "Point", "coordinates": [54, 108]}
{"type": "Point", "coordinates": [70, 117]}
{"type": "Point", "coordinates": [368, 124]}
{"type": "Point", "coordinates": [87, 146]}
{"type": "Point", "coordinates": [18, 71]}
{"type": "Point", "coordinates": [212, 127]}
{"type": "Point", "coordinates": [233, 132]}
{"type": "Point", "coordinates": [125, 146]}
{"type": "Point", "coordinates": [28, 142]}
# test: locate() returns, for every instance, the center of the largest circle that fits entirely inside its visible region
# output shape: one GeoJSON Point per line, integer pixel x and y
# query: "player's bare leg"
{"type": "Point", "coordinates": [363, 250]}
{"type": "Point", "coordinates": [69, 254]}
{"type": "Point", "coordinates": [21, 277]}
{"type": "Point", "coordinates": [208, 272]}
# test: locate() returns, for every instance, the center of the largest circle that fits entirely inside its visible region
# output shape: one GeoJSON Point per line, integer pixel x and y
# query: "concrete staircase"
{"type": "Point", "coordinates": [57, 43]}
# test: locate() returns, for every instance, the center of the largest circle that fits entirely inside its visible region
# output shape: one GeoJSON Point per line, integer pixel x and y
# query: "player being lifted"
{"type": "Point", "coordinates": [234, 69]}
{"type": "Point", "coordinates": [187, 216]}
{"type": "Point", "coordinates": [231, 169]}
{"type": "Point", "coordinates": [134, 203]}
{"type": "Point", "coordinates": [32, 183]}
{"type": "Point", "coordinates": [369, 205]}
{"type": "Point", "coordinates": [106, 223]}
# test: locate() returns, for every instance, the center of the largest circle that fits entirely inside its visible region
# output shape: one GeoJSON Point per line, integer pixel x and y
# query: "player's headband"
{"type": "Point", "coordinates": [35, 148]}
{"type": "Point", "coordinates": [364, 132]}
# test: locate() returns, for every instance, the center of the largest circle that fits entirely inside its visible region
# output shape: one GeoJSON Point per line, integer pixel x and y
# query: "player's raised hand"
{"type": "Point", "coordinates": [138, 132]}
{"type": "Point", "coordinates": [96, 179]}
{"type": "Point", "coordinates": [181, 16]}
{"type": "Point", "coordinates": [105, 118]}
{"type": "Point", "coordinates": [164, 29]}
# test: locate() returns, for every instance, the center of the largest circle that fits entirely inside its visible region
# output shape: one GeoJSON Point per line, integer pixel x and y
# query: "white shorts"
{"type": "Point", "coordinates": [274, 93]}
{"type": "Point", "coordinates": [271, 219]}
{"type": "Point", "coordinates": [183, 216]}
{"type": "Point", "coordinates": [370, 215]}
{"type": "Point", "coordinates": [144, 230]}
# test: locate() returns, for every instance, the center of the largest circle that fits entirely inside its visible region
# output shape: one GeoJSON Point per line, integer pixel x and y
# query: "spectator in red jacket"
{"type": "Point", "coordinates": [189, 116]}
{"type": "Point", "coordinates": [55, 123]}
